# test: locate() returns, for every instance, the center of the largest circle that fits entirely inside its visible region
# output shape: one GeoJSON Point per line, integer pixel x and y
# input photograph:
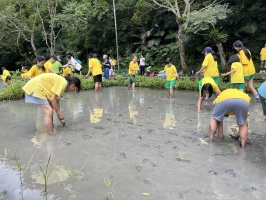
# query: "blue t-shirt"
{"type": "Point", "coordinates": [262, 90]}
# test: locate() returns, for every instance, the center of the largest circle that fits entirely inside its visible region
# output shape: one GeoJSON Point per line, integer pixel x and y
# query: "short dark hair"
{"type": "Point", "coordinates": [74, 80]}
{"type": "Point", "coordinates": [40, 59]}
{"type": "Point", "coordinates": [168, 60]}
{"type": "Point", "coordinates": [68, 56]}
{"type": "Point", "coordinates": [207, 86]}
{"type": "Point", "coordinates": [54, 57]}
{"type": "Point", "coordinates": [232, 59]}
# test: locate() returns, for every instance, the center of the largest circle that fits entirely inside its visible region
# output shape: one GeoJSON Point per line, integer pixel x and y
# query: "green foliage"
{"type": "Point", "coordinates": [12, 92]}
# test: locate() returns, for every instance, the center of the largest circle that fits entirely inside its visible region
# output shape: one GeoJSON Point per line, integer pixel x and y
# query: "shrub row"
{"type": "Point", "coordinates": [15, 91]}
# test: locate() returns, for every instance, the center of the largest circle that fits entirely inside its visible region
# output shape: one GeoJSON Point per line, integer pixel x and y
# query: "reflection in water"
{"type": "Point", "coordinates": [132, 109]}
{"type": "Point", "coordinates": [96, 115]}
{"type": "Point", "coordinates": [96, 112]}
{"type": "Point", "coordinates": [38, 139]}
{"type": "Point", "coordinates": [169, 122]}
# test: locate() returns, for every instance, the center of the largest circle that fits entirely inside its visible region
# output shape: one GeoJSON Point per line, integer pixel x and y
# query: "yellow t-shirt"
{"type": "Point", "coordinates": [212, 82]}
{"type": "Point", "coordinates": [248, 66]}
{"type": "Point", "coordinates": [211, 66]}
{"type": "Point", "coordinates": [232, 94]}
{"type": "Point", "coordinates": [170, 72]}
{"type": "Point", "coordinates": [96, 67]}
{"type": "Point", "coordinates": [238, 75]}
{"type": "Point", "coordinates": [35, 71]}
{"type": "Point", "coordinates": [45, 85]}
{"type": "Point", "coordinates": [48, 65]}
{"type": "Point", "coordinates": [133, 67]}
{"type": "Point", "coordinates": [67, 71]}
{"type": "Point", "coordinates": [5, 74]}
{"type": "Point", "coordinates": [263, 53]}
{"type": "Point", "coordinates": [114, 62]}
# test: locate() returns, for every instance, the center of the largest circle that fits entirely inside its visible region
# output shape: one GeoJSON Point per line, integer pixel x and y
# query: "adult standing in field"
{"type": "Point", "coordinates": [49, 68]}
{"type": "Point", "coordinates": [142, 65]}
{"type": "Point", "coordinates": [263, 59]}
{"type": "Point", "coordinates": [230, 101]}
{"type": "Point", "coordinates": [73, 63]}
{"type": "Point", "coordinates": [38, 68]}
{"type": "Point", "coordinates": [248, 66]}
{"type": "Point", "coordinates": [57, 65]}
{"type": "Point", "coordinates": [95, 68]}
{"type": "Point", "coordinates": [133, 68]}
{"type": "Point", "coordinates": [209, 65]}
{"type": "Point", "coordinates": [171, 75]}
{"type": "Point", "coordinates": [45, 90]}
{"type": "Point", "coordinates": [106, 67]}
{"type": "Point", "coordinates": [236, 72]}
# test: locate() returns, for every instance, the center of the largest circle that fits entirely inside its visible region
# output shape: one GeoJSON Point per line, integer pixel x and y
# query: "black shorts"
{"type": "Point", "coordinates": [77, 71]}
{"type": "Point", "coordinates": [98, 78]}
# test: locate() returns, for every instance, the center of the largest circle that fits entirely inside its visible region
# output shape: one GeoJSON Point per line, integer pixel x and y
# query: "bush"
{"type": "Point", "coordinates": [15, 91]}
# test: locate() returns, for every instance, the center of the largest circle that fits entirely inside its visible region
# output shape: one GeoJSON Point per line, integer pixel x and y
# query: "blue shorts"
{"type": "Point", "coordinates": [35, 100]}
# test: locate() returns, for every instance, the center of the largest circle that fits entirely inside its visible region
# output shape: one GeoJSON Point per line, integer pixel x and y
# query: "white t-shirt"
{"type": "Point", "coordinates": [142, 62]}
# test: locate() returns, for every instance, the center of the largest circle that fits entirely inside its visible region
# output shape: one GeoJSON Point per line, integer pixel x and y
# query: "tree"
{"type": "Point", "coordinates": [180, 9]}
{"type": "Point", "coordinates": [204, 22]}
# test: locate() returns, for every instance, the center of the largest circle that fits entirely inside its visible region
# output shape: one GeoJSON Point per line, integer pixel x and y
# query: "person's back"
{"type": "Point", "coordinates": [56, 67]}
{"type": "Point", "coordinates": [96, 66]}
{"type": "Point", "coordinates": [211, 66]}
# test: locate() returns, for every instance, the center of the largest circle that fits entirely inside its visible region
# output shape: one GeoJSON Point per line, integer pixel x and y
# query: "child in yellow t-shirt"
{"type": "Point", "coordinates": [133, 67]}
{"type": "Point", "coordinates": [236, 72]}
{"type": "Point", "coordinates": [6, 76]}
{"type": "Point", "coordinates": [171, 75]}
{"type": "Point", "coordinates": [263, 59]}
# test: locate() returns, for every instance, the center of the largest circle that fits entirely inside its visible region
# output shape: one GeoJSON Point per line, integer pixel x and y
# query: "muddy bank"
{"type": "Point", "coordinates": [130, 146]}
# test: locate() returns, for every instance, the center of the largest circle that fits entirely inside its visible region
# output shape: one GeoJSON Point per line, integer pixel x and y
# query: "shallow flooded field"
{"type": "Point", "coordinates": [129, 146]}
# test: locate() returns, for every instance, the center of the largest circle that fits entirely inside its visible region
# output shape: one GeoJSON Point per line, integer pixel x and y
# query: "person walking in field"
{"type": "Point", "coordinates": [133, 68]}
{"type": "Point", "coordinates": [45, 90]}
{"type": "Point", "coordinates": [263, 59]}
{"type": "Point", "coordinates": [95, 68]}
{"type": "Point", "coordinates": [248, 66]}
{"type": "Point", "coordinates": [171, 75]}
{"type": "Point", "coordinates": [209, 65]}
{"type": "Point", "coordinates": [236, 72]}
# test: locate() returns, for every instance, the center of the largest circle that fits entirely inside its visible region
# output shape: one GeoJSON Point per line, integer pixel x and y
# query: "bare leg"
{"type": "Point", "coordinates": [213, 128]}
{"type": "Point", "coordinates": [133, 86]}
{"type": "Point", "coordinates": [251, 88]}
{"type": "Point", "coordinates": [220, 130]}
{"type": "Point", "coordinates": [171, 90]}
{"type": "Point", "coordinates": [48, 119]}
{"type": "Point", "coordinates": [243, 132]}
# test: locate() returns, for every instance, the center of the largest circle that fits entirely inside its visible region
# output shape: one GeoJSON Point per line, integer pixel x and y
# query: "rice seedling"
{"type": "Point", "coordinates": [19, 168]}
{"type": "Point", "coordinates": [6, 151]}
{"type": "Point", "coordinates": [3, 193]}
{"type": "Point", "coordinates": [70, 190]}
{"type": "Point", "coordinates": [109, 185]}
{"type": "Point", "coordinates": [45, 174]}
{"type": "Point", "coordinates": [29, 162]}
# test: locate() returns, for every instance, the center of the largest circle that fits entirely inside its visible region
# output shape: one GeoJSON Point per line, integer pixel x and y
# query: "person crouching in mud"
{"type": "Point", "coordinates": [45, 90]}
{"type": "Point", "coordinates": [231, 101]}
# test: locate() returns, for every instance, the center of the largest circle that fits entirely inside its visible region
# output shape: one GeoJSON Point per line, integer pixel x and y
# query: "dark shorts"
{"type": "Point", "coordinates": [132, 79]}
{"type": "Point", "coordinates": [98, 78]}
{"type": "Point", "coordinates": [238, 106]}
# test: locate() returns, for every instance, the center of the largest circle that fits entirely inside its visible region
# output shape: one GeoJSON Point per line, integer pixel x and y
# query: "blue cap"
{"type": "Point", "coordinates": [207, 49]}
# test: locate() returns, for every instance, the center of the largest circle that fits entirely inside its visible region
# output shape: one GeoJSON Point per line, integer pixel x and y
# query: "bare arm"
{"type": "Point", "coordinates": [201, 70]}
{"type": "Point", "coordinates": [88, 73]}
{"type": "Point", "coordinates": [199, 102]}
{"type": "Point", "coordinates": [225, 74]}
{"type": "Point", "coordinates": [56, 107]}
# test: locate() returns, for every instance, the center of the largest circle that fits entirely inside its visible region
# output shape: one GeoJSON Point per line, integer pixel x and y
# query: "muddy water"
{"type": "Point", "coordinates": [131, 146]}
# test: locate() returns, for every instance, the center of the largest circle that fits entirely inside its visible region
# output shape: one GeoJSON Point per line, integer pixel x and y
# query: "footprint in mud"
{"type": "Point", "coordinates": [150, 130]}
{"type": "Point", "coordinates": [138, 168]}
{"type": "Point", "coordinates": [106, 133]}
{"type": "Point", "coordinates": [230, 172]}
{"type": "Point", "coordinates": [99, 127]}
{"type": "Point", "coordinates": [146, 182]}
{"type": "Point", "coordinates": [182, 160]}
{"type": "Point", "coordinates": [123, 155]}
{"type": "Point", "coordinates": [173, 133]}
{"type": "Point", "coordinates": [211, 172]}
{"type": "Point", "coordinates": [190, 139]}
{"type": "Point", "coordinates": [139, 137]}
{"type": "Point", "coordinates": [86, 136]}
{"type": "Point", "coordinates": [144, 145]}
{"type": "Point", "coordinates": [67, 143]}
{"type": "Point", "coordinates": [145, 160]}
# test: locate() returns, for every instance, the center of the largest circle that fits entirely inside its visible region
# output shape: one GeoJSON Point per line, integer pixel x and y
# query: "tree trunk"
{"type": "Point", "coordinates": [32, 44]}
{"type": "Point", "coordinates": [181, 39]}
{"type": "Point", "coordinates": [222, 54]}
